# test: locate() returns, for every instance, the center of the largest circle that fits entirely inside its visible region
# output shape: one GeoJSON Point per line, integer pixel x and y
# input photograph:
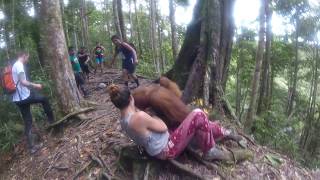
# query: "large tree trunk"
{"type": "Point", "coordinates": [121, 20]}
{"type": "Point", "coordinates": [256, 76]}
{"type": "Point", "coordinates": [264, 98]}
{"type": "Point", "coordinates": [226, 40]}
{"type": "Point", "coordinates": [116, 18]}
{"type": "Point", "coordinates": [84, 24]}
{"type": "Point", "coordinates": [153, 36]}
{"type": "Point", "coordinates": [132, 36]}
{"type": "Point", "coordinates": [137, 24]}
{"type": "Point", "coordinates": [14, 43]}
{"type": "Point", "coordinates": [160, 32]}
{"type": "Point", "coordinates": [57, 56]}
{"type": "Point", "coordinates": [174, 40]}
{"type": "Point", "coordinates": [107, 22]}
{"type": "Point", "coordinates": [310, 133]}
{"type": "Point", "coordinates": [203, 58]}
{"type": "Point", "coordinates": [35, 31]}
{"type": "Point", "coordinates": [292, 90]}
{"type": "Point", "coordinates": [239, 80]}
{"type": "Point", "coordinates": [65, 22]}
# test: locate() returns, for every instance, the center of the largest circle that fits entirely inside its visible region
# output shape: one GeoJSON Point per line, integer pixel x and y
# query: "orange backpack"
{"type": "Point", "coordinates": [6, 80]}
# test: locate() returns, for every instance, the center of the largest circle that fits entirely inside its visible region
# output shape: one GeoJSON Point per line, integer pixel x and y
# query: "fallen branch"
{"type": "Point", "coordinates": [70, 115]}
{"type": "Point", "coordinates": [78, 144]}
{"type": "Point", "coordinates": [187, 169]}
{"type": "Point", "coordinates": [62, 168]}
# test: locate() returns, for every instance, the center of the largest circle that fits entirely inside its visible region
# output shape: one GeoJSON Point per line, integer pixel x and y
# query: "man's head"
{"type": "Point", "coordinates": [23, 57]}
{"type": "Point", "coordinates": [82, 49]}
{"type": "Point", "coordinates": [71, 50]}
{"type": "Point", "coordinates": [98, 43]}
{"type": "Point", "coordinates": [116, 39]}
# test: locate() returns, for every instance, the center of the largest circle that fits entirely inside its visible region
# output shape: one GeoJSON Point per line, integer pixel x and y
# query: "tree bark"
{"type": "Point", "coordinates": [266, 68]}
{"type": "Point", "coordinates": [174, 40]}
{"type": "Point", "coordinates": [116, 18]}
{"type": "Point", "coordinates": [35, 31]}
{"type": "Point", "coordinates": [310, 130]}
{"type": "Point", "coordinates": [107, 22]}
{"type": "Point", "coordinates": [84, 24]}
{"type": "Point", "coordinates": [137, 24]}
{"type": "Point", "coordinates": [256, 76]}
{"type": "Point", "coordinates": [132, 35]}
{"type": "Point", "coordinates": [292, 89]}
{"type": "Point", "coordinates": [65, 23]}
{"type": "Point", "coordinates": [56, 55]}
{"type": "Point", "coordinates": [239, 80]}
{"type": "Point", "coordinates": [121, 20]}
{"type": "Point", "coordinates": [160, 32]}
{"type": "Point", "coordinates": [153, 36]}
{"type": "Point", "coordinates": [198, 69]}
{"type": "Point", "coordinates": [226, 39]}
{"type": "Point", "coordinates": [14, 44]}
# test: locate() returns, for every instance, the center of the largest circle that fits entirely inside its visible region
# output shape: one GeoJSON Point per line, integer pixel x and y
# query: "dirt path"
{"type": "Point", "coordinates": [63, 158]}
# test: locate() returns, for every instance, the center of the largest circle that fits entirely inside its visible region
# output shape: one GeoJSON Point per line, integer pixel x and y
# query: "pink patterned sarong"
{"type": "Point", "coordinates": [197, 126]}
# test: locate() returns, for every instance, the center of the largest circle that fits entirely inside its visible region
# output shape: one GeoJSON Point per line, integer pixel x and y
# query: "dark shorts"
{"type": "Point", "coordinates": [79, 79]}
{"type": "Point", "coordinates": [99, 59]}
{"type": "Point", "coordinates": [85, 68]}
{"type": "Point", "coordinates": [128, 65]}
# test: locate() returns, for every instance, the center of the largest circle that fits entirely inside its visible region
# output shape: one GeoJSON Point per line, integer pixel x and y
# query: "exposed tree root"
{"type": "Point", "coordinates": [209, 165]}
{"type": "Point", "coordinates": [70, 115]}
{"type": "Point", "coordinates": [87, 122]}
{"type": "Point", "coordinates": [89, 103]}
{"type": "Point", "coordinates": [52, 164]}
{"type": "Point", "coordinates": [107, 176]}
{"type": "Point", "coordinates": [81, 170]}
{"type": "Point", "coordinates": [78, 144]}
{"type": "Point", "coordinates": [187, 170]}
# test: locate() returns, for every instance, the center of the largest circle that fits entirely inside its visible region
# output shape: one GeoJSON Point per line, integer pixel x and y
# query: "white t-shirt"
{"type": "Point", "coordinates": [22, 92]}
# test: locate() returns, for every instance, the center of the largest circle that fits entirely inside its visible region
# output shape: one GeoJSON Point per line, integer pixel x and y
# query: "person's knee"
{"type": "Point", "coordinates": [198, 111]}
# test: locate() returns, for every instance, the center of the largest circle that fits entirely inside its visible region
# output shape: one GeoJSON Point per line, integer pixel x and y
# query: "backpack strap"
{"type": "Point", "coordinates": [17, 89]}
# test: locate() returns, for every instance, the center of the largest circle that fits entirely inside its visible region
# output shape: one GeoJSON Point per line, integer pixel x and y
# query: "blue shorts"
{"type": "Point", "coordinates": [99, 60]}
{"type": "Point", "coordinates": [128, 65]}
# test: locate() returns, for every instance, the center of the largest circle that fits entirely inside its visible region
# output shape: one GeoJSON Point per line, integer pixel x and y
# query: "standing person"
{"type": "Point", "coordinates": [77, 70]}
{"type": "Point", "coordinates": [98, 52]}
{"type": "Point", "coordinates": [25, 95]}
{"type": "Point", "coordinates": [129, 60]}
{"type": "Point", "coordinates": [84, 59]}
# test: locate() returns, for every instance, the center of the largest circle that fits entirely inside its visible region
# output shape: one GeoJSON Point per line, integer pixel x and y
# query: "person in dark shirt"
{"type": "Point", "coordinates": [129, 59]}
{"type": "Point", "coordinates": [84, 59]}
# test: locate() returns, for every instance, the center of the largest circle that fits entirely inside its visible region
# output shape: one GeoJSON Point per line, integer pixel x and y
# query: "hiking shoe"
{"type": "Point", "coordinates": [216, 154]}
